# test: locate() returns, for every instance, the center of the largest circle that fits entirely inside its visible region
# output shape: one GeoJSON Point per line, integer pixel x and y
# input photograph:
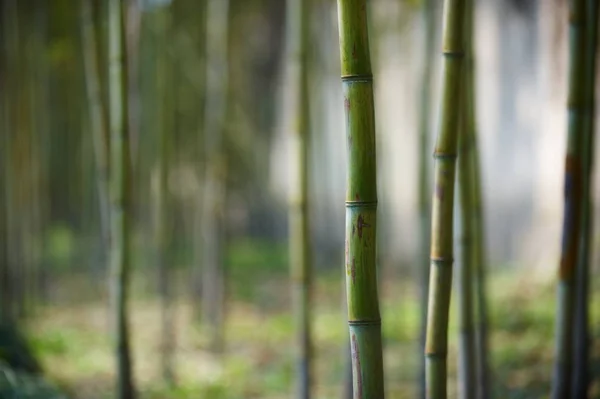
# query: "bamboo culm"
{"type": "Point", "coordinates": [213, 278]}
{"type": "Point", "coordinates": [300, 248]}
{"type": "Point", "coordinates": [119, 198]}
{"type": "Point", "coordinates": [478, 236]}
{"type": "Point", "coordinates": [581, 338]}
{"type": "Point", "coordinates": [361, 202]}
{"type": "Point", "coordinates": [440, 282]}
{"type": "Point", "coordinates": [424, 171]}
{"type": "Point", "coordinates": [96, 116]}
{"type": "Point", "coordinates": [165, 125]}
{"type": "Point", "coordinates": [561, 386]}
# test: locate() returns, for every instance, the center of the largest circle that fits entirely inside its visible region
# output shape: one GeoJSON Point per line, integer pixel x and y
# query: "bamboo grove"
{"type": "Point", "coordinates": [189, 187]}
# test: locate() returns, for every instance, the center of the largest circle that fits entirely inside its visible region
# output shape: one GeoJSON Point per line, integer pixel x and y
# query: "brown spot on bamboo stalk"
{"type": "Point", "coordinates": [360, 223]}
{"type": "Point", "coordinates": [347, 104]}
{"type": "Point", "coordinates": [357, 197]}
{"type": "Point", "coordinates": [354, 51]}
{"type": "Point", "coordinates": [353, 270]}
{"type": "Point", "coordinates": [439, 192]}
{"type": "Point", "coordinates": [358, 384]}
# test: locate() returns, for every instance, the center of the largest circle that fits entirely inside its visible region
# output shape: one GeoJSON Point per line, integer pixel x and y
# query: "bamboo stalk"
{"type": "Point", "coordinates": [581, 339]}
{"type": "Point", "coordinates": [478, 236]}
{"type": "Point", "coordinates": [300, 248]}
{"type": "Point", "coordinates": [424, 174]}
{"type": "Point", "coordinates": [165, 125]}
{"type": "Point", "coordinates": [213, 278]}
{"type": "Point", "coordinates": [572, 210]}
{"type": "Point", "coordinates": [120, 197]}
{"type": "Point", "coordinates": [96, 117]}
{"type": "Point", "coordinates": [361, 202]}
{"type": "Point", "coordinates": [440, 283]}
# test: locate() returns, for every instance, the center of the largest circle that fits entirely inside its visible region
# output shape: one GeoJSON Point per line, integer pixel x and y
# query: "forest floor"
{"type": "Point", "coordinates": [73, 342]}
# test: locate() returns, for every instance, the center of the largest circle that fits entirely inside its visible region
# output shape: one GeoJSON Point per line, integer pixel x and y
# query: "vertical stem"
{"type": "Point", "coordinates": [120, 196]}
{"type": "Point", "coordinates": [478, 235]}
{"type": "Point", "coordinates": [581, 337]}
{"type": "Point", "coordinates": [213, 279]}
{"type": "Point", "coordinates": [300, 248]}
{"type": "Point", "coordinates": [440, 283]}
{"type": "Point", "coordinates": [467, 348]}
{"type": "Point", "coordinates": [572, 210]}
{"type": "Point", "coordinates": [361, 202]}
{"type": "Point", "coordinates": [424, 172]}
{"type": "Point", "coordinates": [165, 126]}
{"type": "Point", "coordinates": [96, 116]}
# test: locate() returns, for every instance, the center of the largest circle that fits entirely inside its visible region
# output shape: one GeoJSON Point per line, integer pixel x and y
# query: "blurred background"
{"type": "Point", "coordinates": [189, 77]}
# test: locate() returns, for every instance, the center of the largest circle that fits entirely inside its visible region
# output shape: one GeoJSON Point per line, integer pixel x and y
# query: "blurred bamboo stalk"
{"type": "Point", "coordinates": [423, 189]}
{"type": "Point", "coordinates": [574, 174]}
{"type": "Point", "coordinates": [120, 192]}
{"type": "Point", "coordinates": [581, 372]}
{"type": "Point", "coordinates": [299, 211]}
{"type": "Point", "coordinates": [215, 194]}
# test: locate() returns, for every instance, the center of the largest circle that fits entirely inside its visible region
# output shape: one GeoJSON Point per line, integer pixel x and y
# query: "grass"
{"type": "Point", "coordinates": [73, 342]}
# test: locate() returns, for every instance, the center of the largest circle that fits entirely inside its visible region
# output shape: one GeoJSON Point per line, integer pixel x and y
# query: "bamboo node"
{"type": "Point", "coordinates": [445, 155]}
{"type": "Point", "coordinates": [453, 54]}
{"type": "Point", "coordinates": [361, 204]}
{"type": "Point", "coordinates": [366, 322]}
{"type": "Point", "coordinates": [367, 78]}
{"type": "Point", "coordinates": [441, 261]}
{"type": "Point", "coordinates": [436, 355]}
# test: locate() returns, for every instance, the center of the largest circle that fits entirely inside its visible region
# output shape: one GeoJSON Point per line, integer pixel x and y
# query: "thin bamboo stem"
{"type": "Point", "coordinates": [300, 248]}
{"type": "Point", "coordinates": [478, 241]}
{"type": "Point", "coordinates": [581, 338]}
{"type": "Point", "coordinates": [213, 278]}
{"type": "Point", "coordinates": [424, 172]}
{"type": "Point", "coordinates": [96, 116]}
{"type": "Point", "coordinates": [440, 283]}
{"type": "Point", "coordinates": [561, 386]}
{"type": "Point", "coordinates": [361, 202]}
{"type": "Point", "coordinates": [120, 197]}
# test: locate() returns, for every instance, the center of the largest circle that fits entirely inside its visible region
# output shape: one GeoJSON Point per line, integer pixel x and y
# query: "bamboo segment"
{"type": "Point", "coordinates": [120, 198]}
{"type": "Point", "coordinates": [96, 115]}
{"type": "Point", "coordinates": [478, 236]}
{"type": "Point", "coordinates": [581, 337]}
{"type": "Point", "coordinates": [466, 175]}
{"type": "Point", "coordinates": [300, 248]}
{"type": "Point", "coordinates": [361, 202]}
{"type": "Point", "coordinates": [213, 277]}
{"type": "Point", "coordinates": [165, 125]}
{"type": "Point", "coordinates": [466, 355]}
{"type": "Point", "coordinates": [424, 171]}
{"type": "Point", "coordinates": [436, 347]}
{"type": "Point", "coordinates": [573, 196]}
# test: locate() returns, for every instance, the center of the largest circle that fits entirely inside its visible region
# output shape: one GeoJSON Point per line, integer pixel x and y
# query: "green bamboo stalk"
{"type": "Point", "coordinates": [300, 248]}
{"type": "Point", "coordinates": [119, 197]}
{"type": "Point", "coordinates": [440, 282]}
{"type": "Point", "coordinates": [96, 116]}
{"type": "Point", "coordinates": [478, 236]}
{"type": "Point", "coordinates": [561, 386]}
{"type": "Point", "coordinates": [467, 350]}
{"type": "Point", "coordinates": [361, 202]}
{"type": "Point", "coordinates": [581, 339]}
{"type": "Point", "coordinates": [213, 278]}
{"type": "Point", "coordinates": [424, 171]}
{"type": "Point", "coordinates": [164, 121]}
{"type": "Point", "coordinates": [466, 347]}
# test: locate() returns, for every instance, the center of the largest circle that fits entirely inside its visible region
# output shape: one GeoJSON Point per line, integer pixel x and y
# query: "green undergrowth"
{"type": "Point", "coordinates": [74, 346]}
